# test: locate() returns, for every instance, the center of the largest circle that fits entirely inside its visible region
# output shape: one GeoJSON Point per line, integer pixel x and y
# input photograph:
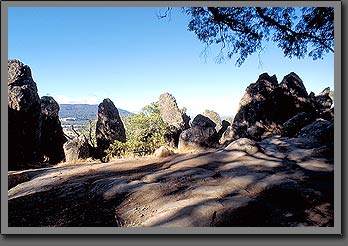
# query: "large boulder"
{"type": "Point", "coordinates": [323, 100]}
{"type": "Point", "coordinates": [203, 121]}
{"type": "Point", "coordinates": [318, 133]}
{"type": "Point", "coordinates": [266, 105]}
{"type": "Point", "coordinates": [24, 116]}
{"type": "Point", "coordinates": [197, 137]}
{"type": "Point", "coordinates": [215, 117]}
{"type": "Point", "coordinates": [109, 125]}
{"type": "Point", "coordinates": [77, 148]}
{"type": "Point", "coordinates": [176, 119]}
{"type": "Point", "coordinates": [227, 136]}
{"type": "Point", "coordinates": [201, 134]}
{"type": "Point", "coordinates": [292, 126]}
{"type": "Point", "coordinates": [255, 104]}
{"type": "Point", "coordinates": [52, 136]}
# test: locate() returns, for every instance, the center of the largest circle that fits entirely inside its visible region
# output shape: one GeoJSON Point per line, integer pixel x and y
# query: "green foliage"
{"type": "Point", "coordinates": [144, 132]}
{"type": "Point", "coordinates": [242, 31]}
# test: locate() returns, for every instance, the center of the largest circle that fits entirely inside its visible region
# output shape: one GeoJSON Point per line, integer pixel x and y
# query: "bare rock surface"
{"type": "Point", "coordinates": [52, 135]}
{"type": "Point", "coordinates": [278, 183]}
{"type": "Point", "coordinates": [24, 116]}
{"type": "Point", "coordinates": [109, 125]}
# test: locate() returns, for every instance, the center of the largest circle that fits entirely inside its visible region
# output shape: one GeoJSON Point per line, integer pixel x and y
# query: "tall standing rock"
{"type": "Point", "coordinates": [176, 119]}
{"type": "Point", "coordinates": [109, 125]}
{"type": "Point", "coordinates": [255, 106]}
{"type": "Point", "coordinates": [52, 136]}
{"type": "Point", "coordinates": [266, 105]}
{"type": "Point", "coordinates": [24, 116]}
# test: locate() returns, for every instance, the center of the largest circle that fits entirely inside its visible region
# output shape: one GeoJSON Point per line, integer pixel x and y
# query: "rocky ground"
{"type": "Point", "coordinates": [274, 182]}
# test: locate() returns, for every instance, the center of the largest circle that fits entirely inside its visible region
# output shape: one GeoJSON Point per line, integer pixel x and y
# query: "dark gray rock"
{"type": "Point", "coordinates": [109, 126]}
{"type": "Point", "coordinates": [77, 148]}
{"type": "Point", "coordinates": [24, 117]}
{"type": "Point", "coordinates": [323, 100]}
{"type": "Point", "coordinates": [266, 105]}
{"type": "Point", "coordinates": [227, 136]}
{"type": "Point", "coordinates": [52, 136]}
{"type": "Point", "coordinates": [202, 121]}
{"type": "Point", "coordinates": [198, 137]}
{"type": "Point", "coordinates": [316, 134]}
{"type": "Point", "coordinates": [327, 114]}
{"type": "Point", "coordinates": [215, 117]}
{"type": "Point", "coordinates": [291, 127]}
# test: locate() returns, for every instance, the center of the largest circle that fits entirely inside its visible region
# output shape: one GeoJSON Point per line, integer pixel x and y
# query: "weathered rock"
{"type": "Point", "coordinates": [109, 126]}
{"type": "Point", "coordinates": [266, 105]}
{"type": "Point", "coordinates": [171, 137]}
{"type": "Point", "coordinates": [211, 188]}
{"type": "Point", "coordinates": [24, 116]}
{"type": "Point", "coordinates": [318, 133]}
{"type": "Point", "coordinates": [244, 144]}
{"type": "Point", "coordinates": [255, 104]}
{"type": "Point", "coordinates": [176, 119]}
{"type": "Point", "coordinates": [170, 112]}
{"type": "Point", "coordinates": [228, 136]}
{"type": "Point", "coordinates": [215, 117]}
{"type": "Point", "coordinates": [224, 125]}
{"type": "Point", "coordinates": [291, 127]}
{"type": "Point", "coordinates": [203, 121]}
{"type": "Point", "coordinates": [289, 99]}
{"type": "Point", "coordinates": [77, 148]}
{"type": "Point", "coordinates": [327, 114]}
{"type": "Point", "coordinates": [163, 151]}
{"type": "Point", "coordinates": [52, 136]}
{"type": "Point", "coordinates": [198, 137]}
{"type": "Point", "coordinates": [323, 100]}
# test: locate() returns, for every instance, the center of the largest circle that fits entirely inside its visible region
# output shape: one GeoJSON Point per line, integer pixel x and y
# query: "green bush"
{"type": "Point", "coordinates": [144, 133]}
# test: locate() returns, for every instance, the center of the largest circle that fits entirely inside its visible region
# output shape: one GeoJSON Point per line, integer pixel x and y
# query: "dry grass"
{"type": "Point", "coordinates": [78, 162]}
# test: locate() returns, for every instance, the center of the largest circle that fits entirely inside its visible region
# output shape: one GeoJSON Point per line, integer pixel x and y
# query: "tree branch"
{"type": "Point", "coordinates": [286, 29]}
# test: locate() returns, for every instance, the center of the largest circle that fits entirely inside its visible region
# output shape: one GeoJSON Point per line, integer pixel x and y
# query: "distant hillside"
{"type": "Point", "coordinates": [83, 111]}
{"type": "Point", "coordinates": [79, 115]}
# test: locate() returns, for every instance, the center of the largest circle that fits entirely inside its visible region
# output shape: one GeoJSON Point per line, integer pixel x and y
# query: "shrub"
{"type": "Point", "coordinates": [144, 133]}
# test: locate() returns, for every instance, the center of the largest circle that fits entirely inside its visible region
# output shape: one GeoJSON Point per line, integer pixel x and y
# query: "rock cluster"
{"type": "Point", "coordinates": [33, 126]}
{"type": "Point", "coordinates": [269, 108]}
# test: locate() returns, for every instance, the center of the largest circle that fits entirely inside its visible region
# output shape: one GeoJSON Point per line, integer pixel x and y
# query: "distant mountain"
{"type": "Point", "coordinates": [83, 111]}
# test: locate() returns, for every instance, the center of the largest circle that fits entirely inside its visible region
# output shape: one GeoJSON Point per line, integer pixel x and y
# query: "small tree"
{"type": "Point", "coordinates": [144, 132]}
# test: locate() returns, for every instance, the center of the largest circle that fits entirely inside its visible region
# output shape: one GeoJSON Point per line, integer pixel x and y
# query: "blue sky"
{"type": "Point", "coordinates": [85, 54]}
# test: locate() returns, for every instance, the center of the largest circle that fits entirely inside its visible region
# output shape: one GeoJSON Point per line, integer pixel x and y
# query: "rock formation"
{"type": "Point", "coordinates": [215, 117]}
{"type": "Point", "coordinates": [292, 126]}
{"type": "Point", "coordinates": [201, 134]}
{"type": "Point", "coordinates": [267, 105]}
{"type": "Point", "coordinates": [24, 116]}
{"type": "Point", "coordinates": [109, 126]}
{"type": "Point", "coordinates": [33, 125]}
{"type": "Point", "coordinates": [77, 148]}
{"type": "Point", "coordinates": [52, 136]}
{"type": "Point", "coordinates": [176, 119]}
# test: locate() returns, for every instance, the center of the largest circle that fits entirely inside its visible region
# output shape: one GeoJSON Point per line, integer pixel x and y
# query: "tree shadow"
{"type": "Point", "coordinates": [97, 199]}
